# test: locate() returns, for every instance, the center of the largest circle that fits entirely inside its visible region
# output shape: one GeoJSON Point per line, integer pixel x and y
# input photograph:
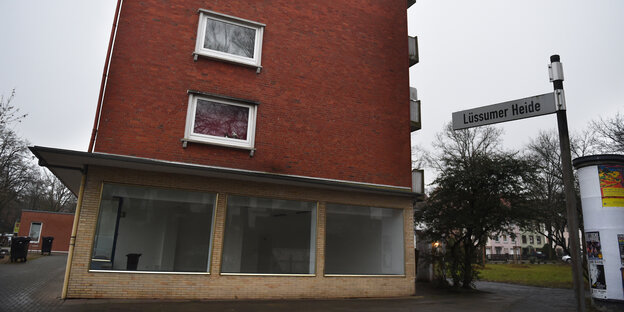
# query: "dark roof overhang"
{"type": "Point", "coordinates": [69, 166]}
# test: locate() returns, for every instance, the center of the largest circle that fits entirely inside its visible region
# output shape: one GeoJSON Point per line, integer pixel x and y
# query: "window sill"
{"type": "Point", "coordinates": [185, 142]}
{"type": "Point", "coordinates": [196, 56]}
{"type": "Point", "coordinates": [366, 275]}
{"type": "Point", "coordinates": [268, 274]}
{"type": "Point", "coordinates": [149, 272]}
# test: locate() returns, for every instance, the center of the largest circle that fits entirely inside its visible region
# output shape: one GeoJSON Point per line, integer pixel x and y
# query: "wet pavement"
{"type": "Point", "coordinates": [36, 286]}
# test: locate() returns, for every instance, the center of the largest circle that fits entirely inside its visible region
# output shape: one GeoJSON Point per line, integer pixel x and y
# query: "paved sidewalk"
{"type": "Point", "coordinates": [495, 297]}
{"type": "Point", "coordinates": [36, 286]}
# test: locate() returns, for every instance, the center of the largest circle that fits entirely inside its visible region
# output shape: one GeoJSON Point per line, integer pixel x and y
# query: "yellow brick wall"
{"type": "Point", "coordinates": [85, 284]}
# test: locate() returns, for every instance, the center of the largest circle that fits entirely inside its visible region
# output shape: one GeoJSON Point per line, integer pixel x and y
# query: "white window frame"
{"type": "Point", "coordinates": [204, 15]}
{"type": "Point", "coordinates": [190, 136]}
{"type": "Point", "coordinates": [40, 231]}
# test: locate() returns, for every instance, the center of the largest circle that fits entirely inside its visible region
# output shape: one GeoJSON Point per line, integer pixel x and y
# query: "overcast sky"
{"type": "Point", "coordinates": [472, 53]}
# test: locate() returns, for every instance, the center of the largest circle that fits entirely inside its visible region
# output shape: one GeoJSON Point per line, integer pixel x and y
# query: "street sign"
{"type": "Point", "coordinates": [518, 109]}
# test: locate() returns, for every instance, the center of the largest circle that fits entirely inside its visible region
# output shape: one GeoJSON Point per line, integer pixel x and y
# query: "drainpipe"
{"type": "Point", "coordinates": [109, 53]}
{"type": "Point", "coordinates": [72, 240]}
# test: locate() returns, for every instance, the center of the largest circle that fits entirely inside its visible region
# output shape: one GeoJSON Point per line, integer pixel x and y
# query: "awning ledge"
{"type": "Point", "coordinates": [69, 166]}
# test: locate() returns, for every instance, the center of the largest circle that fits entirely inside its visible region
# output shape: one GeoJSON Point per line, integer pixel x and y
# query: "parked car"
{"type": "Point", "coordinates": [566, 259]}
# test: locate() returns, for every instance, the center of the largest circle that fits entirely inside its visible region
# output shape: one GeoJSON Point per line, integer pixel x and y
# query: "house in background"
{"type": "Point", "coordinates": [37, 224]}
{"type": "Point", "coordinates": [248, 149]}
{"type": "Point", "coordinates": [524, 245]}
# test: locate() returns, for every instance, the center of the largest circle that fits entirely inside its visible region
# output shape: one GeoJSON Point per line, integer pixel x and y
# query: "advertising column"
{"type": "Point", "coordinates": [601, 179]}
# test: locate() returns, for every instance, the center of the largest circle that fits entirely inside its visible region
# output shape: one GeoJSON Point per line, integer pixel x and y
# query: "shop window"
{"type": "Point", "coordinates": [364, 241]}
{"type": "Point", "coordinates": [153, 229]}
{"type": "Point", "coordinates": [229, 38]}
{"type": "Point", "coordinates": [35, 232]}
{"type": "Point", "coordinates": [221, 121]}
{"type": "Point", "coordinates": [269, 236]}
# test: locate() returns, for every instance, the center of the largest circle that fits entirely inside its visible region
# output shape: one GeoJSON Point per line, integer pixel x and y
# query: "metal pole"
{"type": "Point", "coordinates": [568, 182]}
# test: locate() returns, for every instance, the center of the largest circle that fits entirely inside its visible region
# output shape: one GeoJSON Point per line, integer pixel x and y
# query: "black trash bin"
{"type": "Point", "coordinates": [46, 244]}
{"type": "Point", "coordinates": [133, 261]}
{"type": "Point", "coordinates": [19, 248]}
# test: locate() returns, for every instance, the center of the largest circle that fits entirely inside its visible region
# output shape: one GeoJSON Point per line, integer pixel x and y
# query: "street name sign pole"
{"type": "Point", "coordinates": [538, 105]}
{"type": "Point", "coordinates": [556, 76]}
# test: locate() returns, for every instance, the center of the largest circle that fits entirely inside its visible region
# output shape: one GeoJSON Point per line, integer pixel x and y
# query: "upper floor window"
{"type": "Point", "coordinates": [220, 120]}
{"type": "Point", "coordinates": [229, 38]}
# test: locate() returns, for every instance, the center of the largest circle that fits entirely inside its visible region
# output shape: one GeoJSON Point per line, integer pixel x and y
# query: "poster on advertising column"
{"type": "Point", "coordinates": [621, 245]}
{"type": "Point", "coordinates": [611, 185]}
{"type": "Point", "coordinates": [596, 265]}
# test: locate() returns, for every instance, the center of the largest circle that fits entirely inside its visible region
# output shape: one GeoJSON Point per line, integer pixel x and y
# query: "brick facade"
{"type": "Point", "coordinates": [332, 102]}
{"type": "Point", "coordinates": [333, 90]}
{"type": "Point", "coordinates": [85, 284]}
{"type": "Point", "coordinates": [55, 224]}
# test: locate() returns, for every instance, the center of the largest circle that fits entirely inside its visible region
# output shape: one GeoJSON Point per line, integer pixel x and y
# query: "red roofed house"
{"type": "Point", "coordinates": [37, 224]}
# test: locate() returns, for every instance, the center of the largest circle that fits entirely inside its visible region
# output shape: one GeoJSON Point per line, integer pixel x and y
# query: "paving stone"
{"type": "Point", "coordinates": [36, 286]}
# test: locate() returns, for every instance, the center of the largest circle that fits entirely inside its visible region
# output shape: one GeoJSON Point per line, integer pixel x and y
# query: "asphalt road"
{"type": "Point", "coordinates": [36, 286]}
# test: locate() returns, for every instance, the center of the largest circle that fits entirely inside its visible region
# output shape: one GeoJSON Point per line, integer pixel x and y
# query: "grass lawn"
{"type": "Point", "coordinates": [542, 275]}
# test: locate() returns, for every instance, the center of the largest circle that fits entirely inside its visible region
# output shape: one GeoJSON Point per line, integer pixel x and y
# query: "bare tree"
{"type": "Point", "coordinates": [463, 144]}
{"type": "Point", "coordinates": [16, 172]}
{"type": "Point", "coordinates": [549, 216]}
{"type": "Point", "coordinates": [8, 113]}
{"type": "Point", "coordinates": [22, 183]}
{"type": "Point", "coordinates": [419, 157]}
{"type": "Point", "coordinates": [48, 193]}
{"type": "Point", "coordinates": [610, 134]}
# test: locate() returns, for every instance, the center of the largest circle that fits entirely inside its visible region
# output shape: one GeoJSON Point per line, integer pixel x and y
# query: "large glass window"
{"type": "Point", "coordinates": [229, 38]}
{"type": "Point", "coordinates": [364, 240]}
{"type": "Point", "coordinates": [153, 229]}
{"type": "Point", "coordinates": [269, 236]}
{"type": "Point", "coordinates": [220, 121]}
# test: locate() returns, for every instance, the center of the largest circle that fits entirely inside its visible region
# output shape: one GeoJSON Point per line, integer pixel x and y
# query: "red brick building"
{"type": "Point", "coordinates": [247, 149]}
{"type": "Point", "coordinates": [37, 224]}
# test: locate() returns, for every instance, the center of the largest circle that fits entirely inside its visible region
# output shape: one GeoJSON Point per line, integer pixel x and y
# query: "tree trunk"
{"type": "Point", "coordinates": [468, 250]}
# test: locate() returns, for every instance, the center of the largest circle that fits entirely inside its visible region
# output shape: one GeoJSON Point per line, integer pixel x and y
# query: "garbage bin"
{"type": "Point", "coordinates": [133, 261]}
{"type": "Point", "coordinates": [46, 244]}
{"type": "Point", "coordinates": [19, 248]}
